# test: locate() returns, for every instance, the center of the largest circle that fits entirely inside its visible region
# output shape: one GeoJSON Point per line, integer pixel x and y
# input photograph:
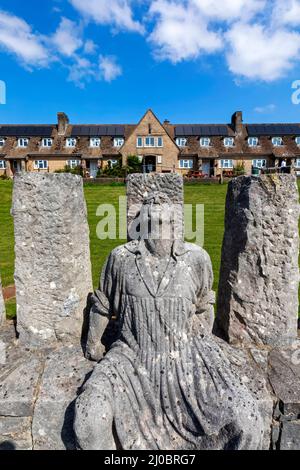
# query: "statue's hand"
{"type": "Point", "coordinates": [100, 303]}
{"type": "Point", "coordinates": [98, 320]}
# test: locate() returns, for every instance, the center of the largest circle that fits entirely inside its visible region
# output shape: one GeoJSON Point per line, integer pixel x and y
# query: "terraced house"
{"type": "Point", "coordinates": [211, 149]}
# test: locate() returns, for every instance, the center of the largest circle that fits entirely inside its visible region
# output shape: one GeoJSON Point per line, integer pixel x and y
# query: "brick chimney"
{"type": "Point", "coordinates": [237, 122]}
{"type": "Point", "coordinates": [63, 122]}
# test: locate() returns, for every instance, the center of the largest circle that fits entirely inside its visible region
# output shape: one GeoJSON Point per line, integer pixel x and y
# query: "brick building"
{"type": "Point", "coordinates": [161, 146]}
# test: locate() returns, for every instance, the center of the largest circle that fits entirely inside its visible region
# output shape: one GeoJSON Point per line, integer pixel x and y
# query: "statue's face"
{"type": "Point", "coordinates": [160, 221]}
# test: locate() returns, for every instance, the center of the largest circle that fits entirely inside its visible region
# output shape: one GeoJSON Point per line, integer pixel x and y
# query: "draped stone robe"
{"type": "Point", "coordinates": [165, 380]}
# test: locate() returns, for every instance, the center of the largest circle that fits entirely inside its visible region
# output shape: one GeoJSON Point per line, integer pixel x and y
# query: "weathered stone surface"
{"type": "Point", "coordinates": [284, 376]}
{"type": "Point", "coordinates": [259, 276]}
{"type": "Point", "coordinates": [18, 385]}
{"type": "Point", "coordinates": [141, 186]}
{"type": "Point", "coordinates": [165, 382]}
{"type": "Point", "coordinates": [65, 371]}
{"type": "Point", "coordinates": [2, 305]}
{"type": "Point", "coordinates": [15, 433]}
{"type": "Point", "coordinates": [290, 436]}
{"type": "Point", "coordinates": [52, 271]}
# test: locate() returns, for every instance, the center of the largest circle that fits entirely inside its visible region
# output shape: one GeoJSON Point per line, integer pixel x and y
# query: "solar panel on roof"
{"type": "Point", "coordinates": [26, 131]}
{"type": "Point", "coordinates": [273, 129]}
{"type": "Point", "coordinates": [201, 130]}
{"type": "Point", "coordinates": [100, 131]}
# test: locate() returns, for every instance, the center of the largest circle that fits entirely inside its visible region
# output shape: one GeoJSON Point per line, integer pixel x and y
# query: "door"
{"type": "Point", "coordinates": [16, 166]}
{"type": "Point", "coordinates": [149, 164]}
{"type": "Point", "coordinates": [93, 169]}
{"type": "Point", "coordinates": [206, 168]}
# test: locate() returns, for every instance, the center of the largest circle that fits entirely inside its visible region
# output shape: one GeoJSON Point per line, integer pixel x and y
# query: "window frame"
{"type": "Point", "coordinates": [37, 162]}
{"type": "Point", "coordinates": [68, 140]}
{"type": "Point", "coordinates": [226, 167]}
{"type": "Point", "coordinates": [251, 144]}
{"type": "Point", "coordinates": [137, 142]}
{"type": "Point", "coordinates": [2, 141]}
{"type": "Point", "coordinates": [71, 161]}
{"type": "Point", "coordinates": [297, 137]}
{"type": "Point", "coordinates": [44, 139]}
{"type": "Point", "coordinates": [275, 144]}
{"type": "Point", "coordinates": [202, 139]}
{"type": "Point", "coordinates": [118, 139]}
{"type": "Point", "coordinates": [296, 163]}
{"type": "Point", "coordinates": [2, 167]}
{"type": "Point", "coordinates": [95, 139]}
{"type": "Point", "coordinates": [259, 160]}
{"type": "Point", "coordinates": [151, 138]}
{"type": "Point", "coordinates": [180, 140]}
{"type": "Point", "coordinates": [189, 161]}
{"type": "Point", "coordinates": [227, 139]}
{"type": "Point", "coordinates": [23, 139]}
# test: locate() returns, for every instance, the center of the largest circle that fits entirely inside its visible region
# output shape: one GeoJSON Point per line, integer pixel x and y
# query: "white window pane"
{"type": "Point", "coordinates": [204, 142]}
{"type": "Point", "coordinates": [2, 164]}
{"type": "Point", "coordinates": [297, 140]}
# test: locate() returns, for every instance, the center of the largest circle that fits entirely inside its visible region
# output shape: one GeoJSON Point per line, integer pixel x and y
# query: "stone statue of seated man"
{"type": "Point", "coordinates": [164, 382]}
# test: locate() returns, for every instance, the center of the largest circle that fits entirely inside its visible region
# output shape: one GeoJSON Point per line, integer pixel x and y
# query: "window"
{"type": "Point", "coordinates": [149, 142]}
{"type": "Point", "coordinates": [187, 164]}
{"type": "Point", "coordinates": [253, 141]}
{"type": "Point", "coordinates": [73, 163]}
{"type": "Point", "coordinates": [118, 141]}
{"type": "Point", "coordinates": [71, 142]}
{"type": "Point", "coordinates": [297, 163]}
{"type": "Point", "coordinates": [204, 142]}
{"type": "Point", "coordinates": [259, 163]}
{"type": "Point", "coordinates": [23, 142]}
{"type": "Point", "coordinates": [226, 163]}
{"type": "Point", "coordinates": [159, 142]}
{"type": "Point", "coordinates": [139, 142]}
{"type": "Point", "coordinates": [297, 140]}
{"type": "Point", "coordinates": [2, 142]}
{"type": "Point", "coordinates": [95, 142]}
{"type": "Point", "coordinates": [47, 142]}
{"type": "Point", "coordinates": [159, 159]}
{"type": "Point", "coordinates": [181, 141]}
{"type": "Point", "coordinates": [2, 164]}
{"type": "Point", "coordinates": [228, 142]}
{"type": "Point", "coordinates": [277, 141]}
{"type": "Point", "coordinates": [41, 164]}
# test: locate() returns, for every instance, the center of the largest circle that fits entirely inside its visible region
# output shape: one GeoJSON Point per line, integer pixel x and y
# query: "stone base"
{"type": "Point", "coordinates": [36, 395]}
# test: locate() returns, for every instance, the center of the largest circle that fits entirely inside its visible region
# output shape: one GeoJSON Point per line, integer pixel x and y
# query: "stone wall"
{"type": "Point", "coordinates": [259, 276]}
{"type": "Point", "coordinates": [52, 267]}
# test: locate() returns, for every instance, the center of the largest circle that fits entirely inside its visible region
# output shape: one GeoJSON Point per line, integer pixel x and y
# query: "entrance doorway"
{"type": "Point", "coordinates": [16, 166]}
{"type": "Point", "coordinates": [208, 168]}
{"type": "Point", "coordinates": [93, 168]}
{"type": "Point", "coordinates": [149, 164]}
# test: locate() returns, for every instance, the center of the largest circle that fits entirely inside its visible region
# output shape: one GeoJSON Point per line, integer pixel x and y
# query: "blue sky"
{"type": "Point", "coordinates": [106, 61]}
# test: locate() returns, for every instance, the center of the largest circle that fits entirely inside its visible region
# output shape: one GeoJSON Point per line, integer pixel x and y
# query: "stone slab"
{"type": "Point", "coordinates": [259, 276]}
{"type": "Point", "coordinates": [64, 374]}
{"type": "Point", "coordinates": [290, 436]}
{"type": "Point", "coordinates": [52, 269]}
{"type": "Point", "coordinates": [15, 433]}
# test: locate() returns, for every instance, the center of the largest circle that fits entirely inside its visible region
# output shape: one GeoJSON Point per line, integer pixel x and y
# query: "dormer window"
{"type": "Point", "coordinates": [2, 164]}
{"type": "Point", "coordinates": [181, 141]}
{"type": "Point", "coordinates": [118, 141]}
{"type": "Point", "coordinates": [23, 142]}
{"type": "Point", "coordinates": [95, 142]}
{"type": "Point", "coordinates": [253, 141]}
{"type": "Point", "coordinates": [2, 141]}
{"type": "Point", "coordinates": [297, 140]}
{"type": "Point", "coordinates": [71, 142]}
{"type": "Point", "coordinates": [204, 142]}
{"type": "Point", "coordinates": [228, 142]}
{"type": "Point", "coordinates": [277, 141]}
{"type": "Point", "coordinates": [47, 142]}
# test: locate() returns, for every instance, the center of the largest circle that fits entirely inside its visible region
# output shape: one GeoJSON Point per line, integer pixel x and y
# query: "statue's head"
{"type": "Point", "coordinates": [158, 216]}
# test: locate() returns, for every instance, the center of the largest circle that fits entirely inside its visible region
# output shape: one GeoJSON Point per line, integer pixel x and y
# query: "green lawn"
{"type": "Point", "coordinates": [211, 195]}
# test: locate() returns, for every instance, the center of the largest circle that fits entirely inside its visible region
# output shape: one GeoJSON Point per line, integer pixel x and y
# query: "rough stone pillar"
{"type": "Point", "coordinates": [259, 276]}
{"type": "Point", "coordinates": [2, 306]}
{"type": "Point", "coordinates": [142, 185]}
{"type": "Point", "coordinates": [53, 269]}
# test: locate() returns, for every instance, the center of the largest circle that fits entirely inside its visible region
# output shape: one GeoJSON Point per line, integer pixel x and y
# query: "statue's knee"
{"type": "Point", "coordinates": [93, 422]}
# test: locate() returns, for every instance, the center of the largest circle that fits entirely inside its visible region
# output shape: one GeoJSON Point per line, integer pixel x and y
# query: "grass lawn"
{"type": "Point", "coordinates": [211, 195]}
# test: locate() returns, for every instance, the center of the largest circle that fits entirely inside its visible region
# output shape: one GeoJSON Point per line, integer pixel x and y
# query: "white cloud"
{"type": "Point", "coordinates": [229, 9]}
{"type": "Point", "coordinates": [267, 109]}
{"type": "Point", "coordinates": [82, 71]}
{"type": "Point", "coordinates": [89, 47]}
{"type": "Point", "coordinates": [117, 13]}
{"type": "Point", "coordinates": [17, 37]}
{"type": "Point", "coordinates": [67, 38]}
{"type": "Point", "coordinates": [286, 12]}
{"type": "Point", "coordinates": [109, 69]}
{"type": "Point", "coordinates": [257, 53]}
{"type": "Point", "coordinates": [180, 32]}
